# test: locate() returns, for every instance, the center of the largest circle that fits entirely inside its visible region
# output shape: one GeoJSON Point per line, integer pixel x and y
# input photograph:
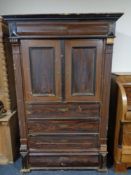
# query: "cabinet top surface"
{"type": "Point", "coordinates": [122, 73]}
{"type": "Point", "coordinates": [122, 77]}
{"type": "Point", "coordinates": [88, 16]}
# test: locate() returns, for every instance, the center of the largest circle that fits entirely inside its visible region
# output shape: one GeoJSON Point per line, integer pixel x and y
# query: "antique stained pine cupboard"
{"type": "Point", "coordinates": [62, 69]}
{"type": "Point", "coordinates": [8, 115]}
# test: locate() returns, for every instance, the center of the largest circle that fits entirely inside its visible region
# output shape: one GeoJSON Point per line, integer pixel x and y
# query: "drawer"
{"type": "Point", "coordinates": [63, 143]}
{"type": "Point", "coordinates": [127, 134]}
{"type": "Point", "coordinates": [128, 115]}
{"type": "Point", "coordinates": [126, 158]}
{"type": "Point", "coordinates": [127, 128]}
{"type": "Point", "coordinates": [128, 94]}
{"type": "Point", "coordinates": [64, 110]}
{"type": "Point", "coordinates": [127, 139]}
{"type": "Point", "coordinates": [63, 126]}
{"type": "Point", "coordinates": [63, 160]}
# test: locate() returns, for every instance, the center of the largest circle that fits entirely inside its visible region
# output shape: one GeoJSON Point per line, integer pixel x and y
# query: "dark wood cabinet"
{"type": "Point", "coordinates": [62, 70]}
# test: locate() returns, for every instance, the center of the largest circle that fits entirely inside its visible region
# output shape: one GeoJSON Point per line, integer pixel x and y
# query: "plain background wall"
{"type": "Point", "coordinates": [122, 46]}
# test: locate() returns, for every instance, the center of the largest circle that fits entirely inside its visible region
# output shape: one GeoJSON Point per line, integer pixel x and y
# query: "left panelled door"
{"type": "Point", "coordinates": [41, 68]}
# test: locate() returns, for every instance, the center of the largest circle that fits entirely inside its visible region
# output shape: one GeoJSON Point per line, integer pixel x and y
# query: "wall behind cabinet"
{"type": "Point", "coordinates": [122, 47]}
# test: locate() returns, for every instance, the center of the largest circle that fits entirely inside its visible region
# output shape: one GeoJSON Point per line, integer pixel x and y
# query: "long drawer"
{"type": "Point", "coordinates": [65, 110]}
{"type": "Point", "coordinates": [63, 143]}
{"type": "Point", "coordinates": [63, 126]}
{"type": "Point", "coordinates": [63, 160]}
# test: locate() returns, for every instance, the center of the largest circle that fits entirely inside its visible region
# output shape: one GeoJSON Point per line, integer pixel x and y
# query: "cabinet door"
{"type": "Point", "coordinates": [41, 70]}
{"type": "Point", "coordinates": [83, 65]}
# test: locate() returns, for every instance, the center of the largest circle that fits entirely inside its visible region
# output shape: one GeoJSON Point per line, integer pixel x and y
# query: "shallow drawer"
{"type": "Point", "coordinates": [63, 143]}
{"type": "Point", "coordinates": [128, 94]}
{"type": "Point", "coordinates": [64, 126]}
{"type": "Point", "coordinates": [127, 128]}
{"type": "Point", "coordinates": [128, 115]}
{"type": "Point", "coordinates": [63, 160]}
{"type": "Point", "coordinates": [126, 158]}
{"type": "Point", "coordinates": [64, 110]}
{"type": "Point", "coordinates": [127, 139]}
{"type": "Point", "coordinates": [127, 134]}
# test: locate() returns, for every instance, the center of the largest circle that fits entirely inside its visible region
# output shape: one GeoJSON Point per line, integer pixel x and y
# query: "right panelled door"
{"type": "Point", "coordinates": [83, 63]}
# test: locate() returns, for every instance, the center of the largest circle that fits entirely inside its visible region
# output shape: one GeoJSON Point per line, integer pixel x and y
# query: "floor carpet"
{"type": "Point", "coordinates": [14, 169]}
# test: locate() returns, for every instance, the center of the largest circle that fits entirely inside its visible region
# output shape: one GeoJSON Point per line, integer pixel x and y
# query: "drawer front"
{"type": "Point", "coordinates": [63, 143]}
{"type": "Point", "coordinates": [126, 158]}
{"type": "Point", "coordinates": [127, 134]}
{"type": "Point", "coordinates": [128, 94]}
{"type": "Point", "coordinates": [128, 115]}
{"type": "Point", "coordinates": [63, 160]}
{"type": "Point", "coordinates": [127, 139]}
{"type": "Point", "coordinates": [64, 126]}
{"type": "Point", "coordinates": [64, 110]}
{"type": "Point", "coordinates": [127, 128]}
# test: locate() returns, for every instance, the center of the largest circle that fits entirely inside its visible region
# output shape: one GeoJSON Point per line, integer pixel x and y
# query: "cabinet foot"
{"type": "Point", "coordinates": [103, 162]}
{"type": "Point", "coordinates": [25, 166]}
{"type": "Point", "coordinates": [103, 170]}
{"type": "Point", "coordinates": [25, 170]}
{"type": "Point", "coordinates": [120, 167]}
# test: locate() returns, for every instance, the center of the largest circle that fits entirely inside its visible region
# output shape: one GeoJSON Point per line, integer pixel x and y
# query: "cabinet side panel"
{"type": "Point", "coordinates": [106, 92]}
{"type": "Point", "coordinates": [19, 92]}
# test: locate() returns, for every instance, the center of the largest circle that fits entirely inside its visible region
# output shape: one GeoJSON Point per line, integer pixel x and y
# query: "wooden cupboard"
{"type": "Point", "coordinates": [7, 85]}
{"type": "Point", "coordinates": [8, 115]}
{"type": "Point", "coordinates": [121, 91]}
{"type": "Point", "coordinates": [62, 69]}
{"type": "Point", "coordinates": [8, 138]}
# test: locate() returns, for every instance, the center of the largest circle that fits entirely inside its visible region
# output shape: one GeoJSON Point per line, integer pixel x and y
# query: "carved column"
{"type": "Point", "coordinates": [105, 99]}
{"type": "Point", "coordinates": [7, 97]}
{"type": "Point", "coordinates": [20, 102]}
{"type": "Point", "coordinates": [4, 88]}
{"type": "Point", "coordinates": [7, 87]}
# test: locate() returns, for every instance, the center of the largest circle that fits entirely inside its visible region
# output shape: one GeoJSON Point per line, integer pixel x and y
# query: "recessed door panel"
{"type": "Point", "coordinates": [42, 65]}
{"type": "Point", "coordinates": [83, 69]}
{"type": "Point", "coordinates": [42, 70]}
